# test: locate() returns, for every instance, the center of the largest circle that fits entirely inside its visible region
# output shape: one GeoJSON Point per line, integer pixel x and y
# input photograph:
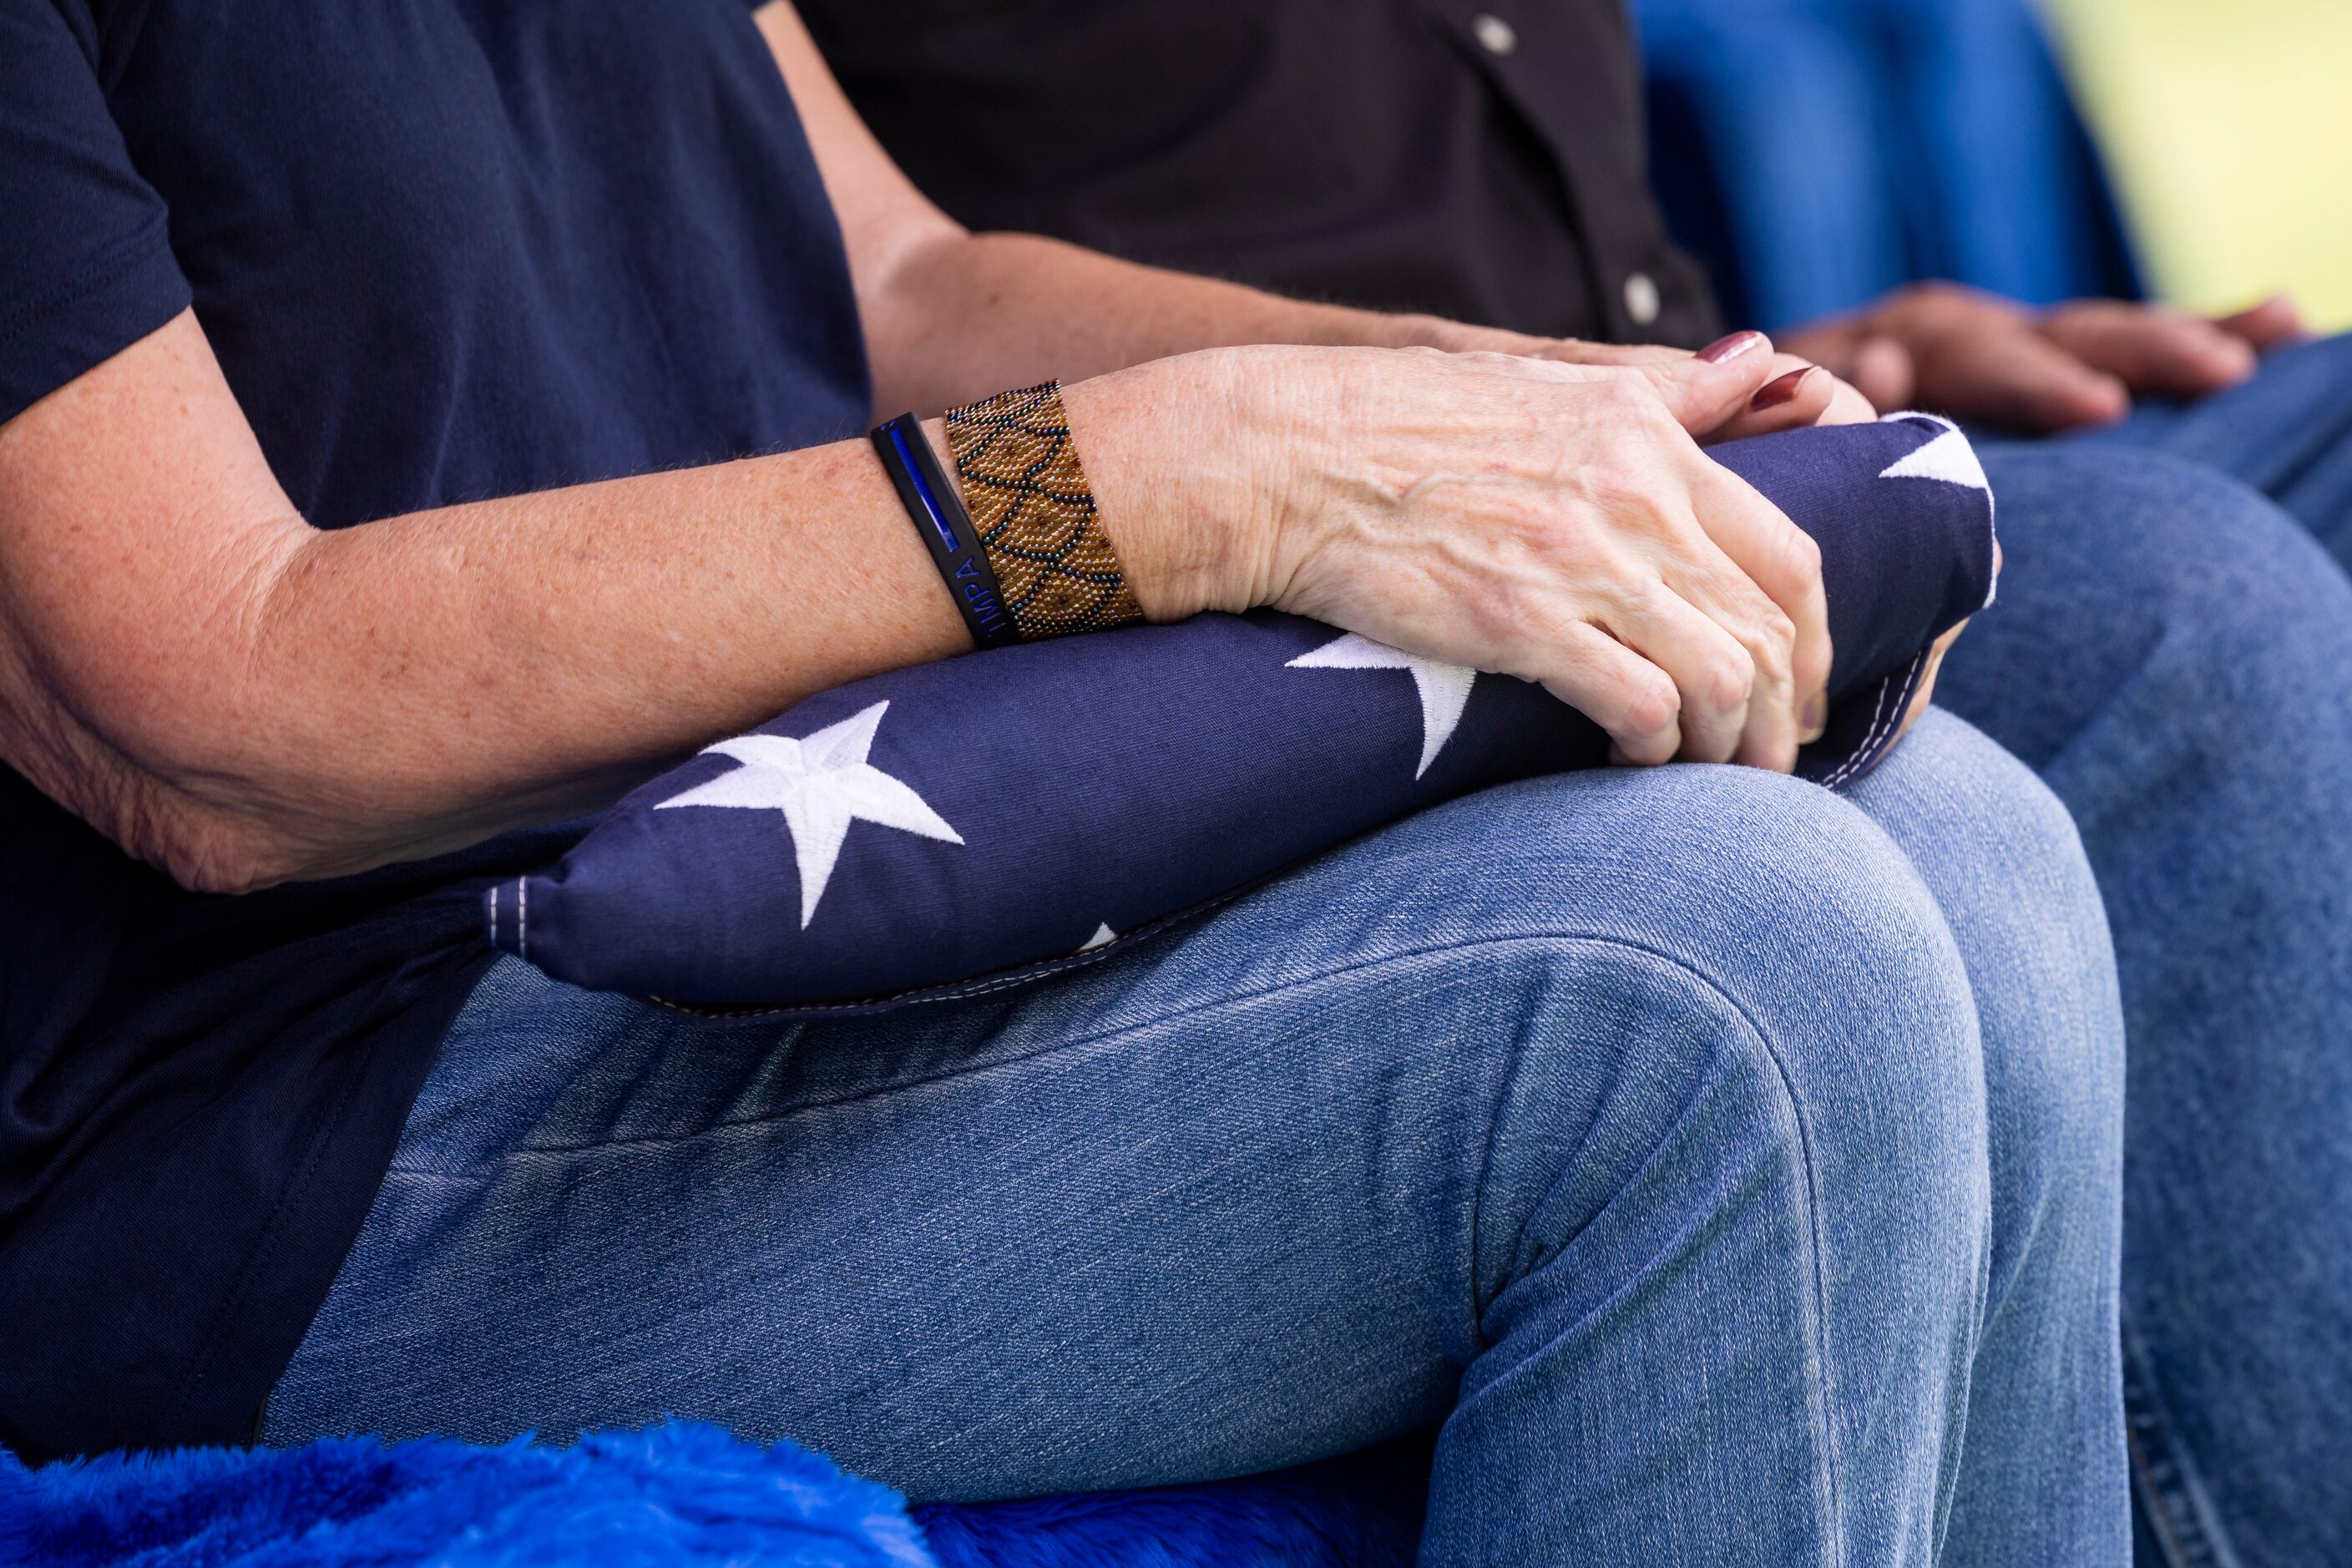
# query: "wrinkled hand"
{"type": "Point", "coordinates": [1976, 356]}
{"type": "Point", "coordinates": [1802, 394]}
{"type": "Point", "coordinates": [1548, 521]}
{"type": "Point", "coordinates": [1796, 394]}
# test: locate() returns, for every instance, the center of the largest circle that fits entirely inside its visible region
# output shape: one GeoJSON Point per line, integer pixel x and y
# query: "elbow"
{"type": "Point", "coordinates": [203, 837]}
{"type": "Point", "coordinates": [152, 730]}
{"type": "Point", "coordinates": [203, 847]}
{"type": "Point", "coordinates": [207, 852]}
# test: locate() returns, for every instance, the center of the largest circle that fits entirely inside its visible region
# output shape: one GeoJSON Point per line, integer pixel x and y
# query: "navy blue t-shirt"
{"type": "Point", "coordinates": [444, 249]}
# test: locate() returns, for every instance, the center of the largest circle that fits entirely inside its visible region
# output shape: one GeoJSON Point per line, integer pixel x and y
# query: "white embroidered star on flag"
{"type": "Point", "coordinates": [1227, 748]}
{"type": "Point", "coordinates": [821, 783]}
{"type": "Point", "coordinates": [1949, 458]}
{"type": "Point", "coordinates": [1443, 689]}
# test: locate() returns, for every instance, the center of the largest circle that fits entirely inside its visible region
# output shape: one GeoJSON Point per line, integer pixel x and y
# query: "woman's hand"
{"type": "Point", "coordinates": [1976, 356]}
{"type": "Point", "coordinates": [1549, 520]}
{"type": "Point", "coordinates": [1795, 394]}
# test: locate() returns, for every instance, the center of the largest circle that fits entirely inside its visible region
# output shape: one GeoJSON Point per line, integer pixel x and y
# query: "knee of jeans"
{"type": "Point", "coordinates": [2172, 576]}
{"type": "Point", "coordinates": [1786, 967]}
{"type": "Point", "coordinates": [1861, 994]}
{"type": "Point", "coordinates": [2003, 860]}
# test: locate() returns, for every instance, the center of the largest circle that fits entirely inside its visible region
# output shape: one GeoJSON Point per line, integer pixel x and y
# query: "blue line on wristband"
{"type": "Point", "coordinates": [923, 489]}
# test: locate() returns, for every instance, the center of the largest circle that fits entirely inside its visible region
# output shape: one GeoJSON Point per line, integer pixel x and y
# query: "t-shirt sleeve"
{"type": "Point", "coordinates": [86, 264]}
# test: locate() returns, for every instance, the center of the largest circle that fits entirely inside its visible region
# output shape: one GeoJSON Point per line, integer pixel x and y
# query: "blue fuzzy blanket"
{"type": "Point", "coordinates": [679, 1496]}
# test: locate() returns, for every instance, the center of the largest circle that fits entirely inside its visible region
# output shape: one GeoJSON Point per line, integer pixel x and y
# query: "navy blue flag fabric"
{"type": "Point", "coordinates": [1033, 806]}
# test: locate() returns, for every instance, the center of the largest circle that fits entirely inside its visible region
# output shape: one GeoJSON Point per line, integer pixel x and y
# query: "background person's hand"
{"type": "Point", "coordinates": [1976, 356]}
{"type": "Point", "coordinates": [1554, 521]}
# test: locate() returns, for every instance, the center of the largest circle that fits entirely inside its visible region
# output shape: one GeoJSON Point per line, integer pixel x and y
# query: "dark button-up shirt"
{"type": "Point", "coordinates": [1479, 159]}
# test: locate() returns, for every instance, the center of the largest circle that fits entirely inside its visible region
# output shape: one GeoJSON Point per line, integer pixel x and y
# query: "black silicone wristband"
{"type": "Point", "coordinates": [935, 505]}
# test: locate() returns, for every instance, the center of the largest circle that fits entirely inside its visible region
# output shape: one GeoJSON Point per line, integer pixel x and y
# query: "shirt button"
{"type": "Point", "coordinates": [1494, 36]}
{"type": "Point", "coordinates": [1642, 301]}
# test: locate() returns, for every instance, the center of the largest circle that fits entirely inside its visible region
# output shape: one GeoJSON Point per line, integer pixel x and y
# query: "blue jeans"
{"type": "Point", "coordinates": [2287, 434]}
{"type": "Point", "coordinates": [1709, 1153]}
{"type": "Point", "coordinates": [2170, 653]}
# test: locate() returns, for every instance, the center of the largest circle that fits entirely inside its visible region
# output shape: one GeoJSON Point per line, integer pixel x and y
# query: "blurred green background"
{"type": "Point", "coordinates": [2227, 125]}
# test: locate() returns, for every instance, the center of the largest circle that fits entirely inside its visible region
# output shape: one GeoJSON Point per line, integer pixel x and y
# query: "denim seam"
{"type": "Point", "coordinates": [2164, 1475]}
{"type": "Point", "coordinates": [963, 990]}
{"type": "Point", "coordinates": [1203, 1009]}
{"type": "Point", "coordinates": [1759, 1038]}
{"type": "Point", "coordinates": [1825, 1429]}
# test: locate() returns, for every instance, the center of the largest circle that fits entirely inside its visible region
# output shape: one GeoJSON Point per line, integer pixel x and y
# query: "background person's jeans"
{"type": "Point", "coordinates": [2174, 657]}
{"type": "Point", "coordinates": [1641, 1126]}
{"type": "Point", "coordinates": [2286, 433]}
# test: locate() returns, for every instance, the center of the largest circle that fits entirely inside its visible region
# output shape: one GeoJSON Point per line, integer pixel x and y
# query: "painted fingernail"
{"type": "Point", "coordinates": [1730, 347]}
{"type": "Point", "coordinates": [1781, 389]}
{"type": "Point", "coordinates": [1815, 718]}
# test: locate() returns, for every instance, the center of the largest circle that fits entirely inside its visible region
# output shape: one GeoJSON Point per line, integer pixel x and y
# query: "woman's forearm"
{"type": "Point", "coordinates": [461, 671]}
{"type": "Point", "coordinates": [968, 315]}
{"type": "Point", "coordinates": [242, 699]}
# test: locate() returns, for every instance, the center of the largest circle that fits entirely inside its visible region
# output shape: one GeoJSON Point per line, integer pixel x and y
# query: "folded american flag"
{"type": "Point", "coordinates": [1034, 806]}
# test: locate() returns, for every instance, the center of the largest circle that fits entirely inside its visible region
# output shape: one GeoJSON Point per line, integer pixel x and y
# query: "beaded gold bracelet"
{"type": "Point", "coordinates": [1034, 514]}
